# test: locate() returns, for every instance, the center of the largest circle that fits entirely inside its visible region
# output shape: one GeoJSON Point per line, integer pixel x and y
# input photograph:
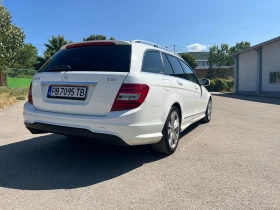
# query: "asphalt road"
{"type": "Point", "coordinates": [231, 163]}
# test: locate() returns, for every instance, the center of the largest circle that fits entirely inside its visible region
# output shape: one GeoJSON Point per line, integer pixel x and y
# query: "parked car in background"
{"type": "Point", "coordinates": [119, 92]}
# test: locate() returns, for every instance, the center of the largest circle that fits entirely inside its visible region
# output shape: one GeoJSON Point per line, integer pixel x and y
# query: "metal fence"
{"type": "Point", "coordinates": [16, 78]}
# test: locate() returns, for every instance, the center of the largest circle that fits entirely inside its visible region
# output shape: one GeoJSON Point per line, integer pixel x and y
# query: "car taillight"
{"type": "Point", "coordinates": [30, 100]}
{"type": "Point", "coordinates": [130, 96]}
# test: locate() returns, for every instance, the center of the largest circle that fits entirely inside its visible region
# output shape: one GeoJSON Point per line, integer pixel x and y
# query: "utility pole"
{"type": "Point", "coordinates": [0, 3]}
{"type": "Point", "coordinates": [174, 47]}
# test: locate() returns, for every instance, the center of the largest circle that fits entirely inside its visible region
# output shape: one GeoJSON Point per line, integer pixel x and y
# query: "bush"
{"type": "Point", "coordinates": [21, 73]}
{"type": "Point", "coordinates": [221, 85]}
{"type": "Point", "coordinates": [230, 84]}
{"type": "Point", "coordinates": [212, 85]}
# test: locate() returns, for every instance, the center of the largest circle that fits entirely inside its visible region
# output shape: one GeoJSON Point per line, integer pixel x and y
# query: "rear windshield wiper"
{"type": "Point", "coordinates": [60, 68]}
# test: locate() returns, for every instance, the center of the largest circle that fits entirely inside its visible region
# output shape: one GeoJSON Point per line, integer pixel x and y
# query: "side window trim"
{"type": "Point", "coordinates": [150, 50]}
{"type": "Point", "coordinates": [164, 72]}
{"type": "Point", "coordinates": [190, 69]}
{"type": "Point", "coordinates": [163, 54]}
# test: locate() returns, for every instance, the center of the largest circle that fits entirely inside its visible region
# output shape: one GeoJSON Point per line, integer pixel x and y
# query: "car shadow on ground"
{"type": "Point", "coordinates": [190, 129]}
{"type": "Point", "coordinates": [259, 99]}
{"type": "Point", "coordinates": [55, 162]}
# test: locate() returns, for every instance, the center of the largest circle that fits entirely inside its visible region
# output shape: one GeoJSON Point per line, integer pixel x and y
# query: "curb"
{"type": "Point", "coordinates": [256, 95]}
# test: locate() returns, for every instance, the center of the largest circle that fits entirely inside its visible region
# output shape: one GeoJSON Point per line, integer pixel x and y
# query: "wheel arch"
{"type": "Point", "coordinates": [177, 105]}
{"type": "Point", "coordinates": [209, 96]}
{"type": "Point", "coordinates": [173, 101]}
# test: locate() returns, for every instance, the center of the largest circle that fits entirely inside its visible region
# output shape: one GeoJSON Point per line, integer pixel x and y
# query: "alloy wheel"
{"type": "Point", "coordinates": [173, 129]}
{"type": "Point", "coordinates": [209, 109]}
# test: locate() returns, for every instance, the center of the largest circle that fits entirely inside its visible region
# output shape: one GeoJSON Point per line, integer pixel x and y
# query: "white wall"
{"type": "Point", "coordinates": [248, 71]}
{"type": "Point", "coordinates": [270, 63]}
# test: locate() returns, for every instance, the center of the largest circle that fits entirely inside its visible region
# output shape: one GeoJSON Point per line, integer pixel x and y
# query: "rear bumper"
{"type": "Point", "coordinates": [129, 128]}
{"type": "Point", "coordinates": [37, 128]}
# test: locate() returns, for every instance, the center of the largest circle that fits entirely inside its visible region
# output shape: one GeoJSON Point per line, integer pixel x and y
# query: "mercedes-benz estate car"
{"type": "Point", "coordinates": [119, 92]}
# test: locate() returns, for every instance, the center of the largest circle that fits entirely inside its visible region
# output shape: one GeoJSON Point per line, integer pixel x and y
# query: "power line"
{"type": "Point", "coordinates": [181, 46]}
{"type": "Point", "coordinates": [174, 47]}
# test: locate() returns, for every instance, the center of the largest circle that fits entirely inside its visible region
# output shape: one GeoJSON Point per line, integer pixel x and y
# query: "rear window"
{"type": "Point", "coordinates": [115, 58]}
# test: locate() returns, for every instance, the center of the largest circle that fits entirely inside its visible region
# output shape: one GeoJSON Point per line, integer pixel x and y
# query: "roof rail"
{"type": "Point", "coordinates": [155, 45]}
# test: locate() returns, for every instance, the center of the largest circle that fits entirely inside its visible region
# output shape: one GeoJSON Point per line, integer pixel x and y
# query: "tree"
{"type": "Point", "coordinates": [190, 60]}
{"type": "Point", "coordinates": [39, 62]}
{"type": "Point", "coordinates": [97, 37]}
{"type": "Point", "coordinates": [239, 47]}
{"type": "Point", "coordinates": [54, 45]}
{"type": "Point", "coordinates": [11, 38]}
{"type": "Point", "coordinates": [219, 58]}
{"type": "Point", "coordinates": [26, 57]}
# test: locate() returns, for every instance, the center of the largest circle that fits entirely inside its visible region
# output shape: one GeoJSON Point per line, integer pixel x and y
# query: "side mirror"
{"type": "Point", "coordinates": [205, 82]}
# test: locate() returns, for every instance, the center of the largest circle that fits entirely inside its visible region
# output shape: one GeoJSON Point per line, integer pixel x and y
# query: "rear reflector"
{"type": "Point", "coordinates": [30, 99]}
{"type": "Point", "coordinates": [130, 96]}
{"type": "Point", "coordinates": [89, 44]}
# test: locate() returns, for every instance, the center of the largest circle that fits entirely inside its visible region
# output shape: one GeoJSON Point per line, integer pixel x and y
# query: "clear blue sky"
{"type": "Point", "coordinates": [180, 22]}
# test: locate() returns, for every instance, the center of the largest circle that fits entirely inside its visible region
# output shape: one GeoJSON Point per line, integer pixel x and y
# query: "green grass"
{"type": "Point", "coordinates": [18, 82]}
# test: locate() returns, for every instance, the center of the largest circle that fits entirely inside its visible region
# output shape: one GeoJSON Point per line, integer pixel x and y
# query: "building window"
{"type": "Point", "coordinates": [274, 77]}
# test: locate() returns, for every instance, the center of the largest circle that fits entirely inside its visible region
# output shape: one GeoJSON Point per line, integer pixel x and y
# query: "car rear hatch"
{"type": "Point", "coordinates": [82, 78]}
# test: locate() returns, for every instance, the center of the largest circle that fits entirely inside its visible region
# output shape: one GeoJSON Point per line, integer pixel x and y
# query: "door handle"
{"type": "Point", "coordinates": [180, 83]}
{"type": "Point", "coordinates": [196, 87]}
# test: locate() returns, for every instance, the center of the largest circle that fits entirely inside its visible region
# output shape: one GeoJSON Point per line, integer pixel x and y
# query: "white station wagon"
{"type": "Point", "coordinates": [117, 92]}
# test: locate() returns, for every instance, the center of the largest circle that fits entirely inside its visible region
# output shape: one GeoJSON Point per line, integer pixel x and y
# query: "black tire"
{"type": "Point", "coordinates": [164, 145]}
{"type": "Point", "coordinates": [208, 112]}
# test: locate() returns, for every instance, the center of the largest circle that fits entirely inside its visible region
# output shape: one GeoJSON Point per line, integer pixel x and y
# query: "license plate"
{"type": "Point", "coordinates": [64, 92]}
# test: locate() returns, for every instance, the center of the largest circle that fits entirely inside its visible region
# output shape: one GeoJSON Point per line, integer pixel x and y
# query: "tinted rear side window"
{"type": "Point", "coordinates": [152, 62]}
{"type": "Point", "coordinates": [176, 66]}
{"type": "Point", "coordinates": [115, 58]}
{"type": "Point", "coordinates": [189, 73]}
{"type": "Point", "coordinates": [167, 67]}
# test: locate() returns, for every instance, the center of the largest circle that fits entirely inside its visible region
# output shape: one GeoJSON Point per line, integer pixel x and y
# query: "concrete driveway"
{"type": "Point", "coordinates": [231, 163]}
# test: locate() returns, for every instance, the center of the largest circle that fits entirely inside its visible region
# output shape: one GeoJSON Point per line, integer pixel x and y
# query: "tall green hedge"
{"type": "Point", "coordinates": [21, 73]}
{"type": "Point", "coordinates": [221, 85]}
